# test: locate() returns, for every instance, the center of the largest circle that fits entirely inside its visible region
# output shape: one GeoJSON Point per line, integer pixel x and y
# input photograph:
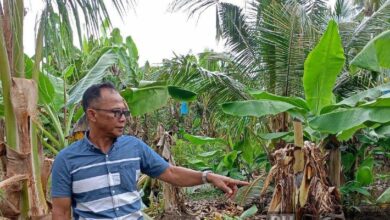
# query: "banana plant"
{"type": "Point", "coordinates": [319, 112]}
{"type": "Point", "coordinates": [60, 90]}
{"type": "Point", "coordinates": [25, 182]}
{"type": "Point", "coordinates": [151, 96]}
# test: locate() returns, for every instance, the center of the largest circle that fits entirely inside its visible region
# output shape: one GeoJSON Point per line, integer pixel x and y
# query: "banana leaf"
{"type": "Point", "coordinates": [145, 100]}
{"type": "Point", "coordinates": [384, 197]}
{"type": "Point", "coordinates": [375, 55]}
{"type": "Point", "coordinates": [200, 140]}
{"type": "Point", "coordinates": [360, 98]}
{"type": "Point", "coordinates": [342, 120]}
{"type": "Point", "coordinates": [322, 66]}
{"type": "Point", "coordinates": [276, 135]}
{"type": "Point", "coordinates": [257, 108]}
{"type": "Point", "coordinates": [181, 94]}
{"type": "Point", "coordinates": [94, 75]}
{"type": "Point", "coordinates": [262, 95]}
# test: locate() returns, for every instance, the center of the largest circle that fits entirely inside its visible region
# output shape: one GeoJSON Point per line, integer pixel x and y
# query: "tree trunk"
{"type": "Point", "coordinates": [6, 25]}
{"type": "Point", "coordinates": [335, 166]}
{"type": "Point", "coordinates": [173, 198]}
{"type": "Point", "coordinates": [3, 168]}
{"type": "Point", "coordinates": [23, 199]}
{"type": "Point", "coordinates": [26, 161]}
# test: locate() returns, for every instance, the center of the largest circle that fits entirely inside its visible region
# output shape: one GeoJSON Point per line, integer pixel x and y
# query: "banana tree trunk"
{"type": "Point", "coordinates": [5, 16]}
{"type": "Point", "coordinates": [335, 166]}
{"type": "Point", "coordinates": [173, 197]}
{"type": "Point", "coordinates": [17, 11]}
{"type": "Point", "coordinates": [26, 160]}
{"type": "Point", "coordinates": [3, 168]}
{"type": "Point", "coordinates": [24, 197]}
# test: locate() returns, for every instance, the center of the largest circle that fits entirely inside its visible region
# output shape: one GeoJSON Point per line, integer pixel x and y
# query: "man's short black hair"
{"type": "Point", "coordinates": [93, 93]}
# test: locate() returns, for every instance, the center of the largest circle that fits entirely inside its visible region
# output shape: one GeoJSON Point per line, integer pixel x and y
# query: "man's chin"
{"type": "Point", "coordinates": [118, 132]}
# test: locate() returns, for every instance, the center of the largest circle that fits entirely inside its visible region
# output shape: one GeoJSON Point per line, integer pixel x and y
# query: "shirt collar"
{"type": "Point", "coordinates": [93, 147]}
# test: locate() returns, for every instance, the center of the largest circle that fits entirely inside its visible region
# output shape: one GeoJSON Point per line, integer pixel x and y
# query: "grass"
{"type": "Point", "coordinates": [202, 192]}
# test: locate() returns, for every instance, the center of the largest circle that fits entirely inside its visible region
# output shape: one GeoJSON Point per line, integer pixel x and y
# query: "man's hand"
{"type": "Point", "coordinates": [226, 184]}
{"type": "Point", "coordinates": [180, 176]}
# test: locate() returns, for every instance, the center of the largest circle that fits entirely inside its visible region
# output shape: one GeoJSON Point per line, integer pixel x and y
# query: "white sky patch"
{"type": "Point", "coordinates": [157, 33]}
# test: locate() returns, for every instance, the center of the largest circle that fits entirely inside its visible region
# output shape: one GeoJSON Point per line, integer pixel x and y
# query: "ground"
{"type": "Point", "coordinates": [209, 204]}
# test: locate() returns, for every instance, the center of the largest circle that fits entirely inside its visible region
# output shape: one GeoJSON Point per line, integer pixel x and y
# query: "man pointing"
{"type": "Point", "coordinates": [97, 175]}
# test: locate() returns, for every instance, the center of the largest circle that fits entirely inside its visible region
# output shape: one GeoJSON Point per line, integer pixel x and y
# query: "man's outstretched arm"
{"type": "Point", "coordinates": [61, 208]}
{"type": "Point", "coordinates": [180, 176]}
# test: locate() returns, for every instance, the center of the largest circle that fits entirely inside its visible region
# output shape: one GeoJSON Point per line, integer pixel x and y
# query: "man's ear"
{"type": "Point", "coordinates": [91, 115]}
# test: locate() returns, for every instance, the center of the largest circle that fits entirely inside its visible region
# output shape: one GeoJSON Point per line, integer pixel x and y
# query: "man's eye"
{"type": "Point", "coordinates": [116, 112]}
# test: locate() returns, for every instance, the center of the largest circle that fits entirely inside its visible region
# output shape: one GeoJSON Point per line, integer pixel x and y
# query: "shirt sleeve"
{"type": "Point", "coordinates": [152, 164]}
{"type": "Point", "coordinates": [61, 183]}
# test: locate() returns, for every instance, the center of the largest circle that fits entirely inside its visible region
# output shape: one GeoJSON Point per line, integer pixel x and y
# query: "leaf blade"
{"type": "Point", "coordinates": [322, 66]}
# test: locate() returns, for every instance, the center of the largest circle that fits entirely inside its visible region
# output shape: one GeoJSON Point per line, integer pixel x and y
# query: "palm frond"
{"type": "Point", "coordinates": [348, 84]}
{"type": "Point", "coordinates": [284, 36]}
{"type": "Point", "coordinates": [237, 33]}
{"type": "Point", "coordinates": [271, 40]}
{"type": "Point", "coordinates": [367, 29]}
{"type": "Point", "coordinates": [344, 11]}
{"type": "Point", "coordinates": [247, 194]}
{"type": "Point", "coordinates": [214, 87]}
{"type": "Point", "coordinates": [192, 7]}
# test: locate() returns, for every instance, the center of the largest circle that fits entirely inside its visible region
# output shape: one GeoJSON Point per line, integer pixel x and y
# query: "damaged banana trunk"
{"type": "Point", "coordinates": [173, 197]}
{"type": "Point", "coordinates": [299, 196]}
{"type": "Point", "coordinates": [301, 184]}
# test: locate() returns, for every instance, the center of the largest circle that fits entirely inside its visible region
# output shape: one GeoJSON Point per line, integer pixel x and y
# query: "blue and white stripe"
{"type": "Point", "coordinates": [103, 186]}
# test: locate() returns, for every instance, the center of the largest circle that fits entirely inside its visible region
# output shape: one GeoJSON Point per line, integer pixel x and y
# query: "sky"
{"type": "Point", "coordinates": [157, 33]}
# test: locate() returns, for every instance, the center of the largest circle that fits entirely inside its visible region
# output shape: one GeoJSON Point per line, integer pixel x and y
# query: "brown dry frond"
{"type": "Point", "coordinates": [306, 193]}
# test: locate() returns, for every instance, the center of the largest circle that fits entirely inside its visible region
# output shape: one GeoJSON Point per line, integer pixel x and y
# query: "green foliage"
{"type": "Point", "coordinates": [359, 98]}
{"type": "Point", "coordinates": [298, 102]}
{"type": "Point", "coordinates": [181, 94]}
{"type": "Point", "coordinates": [153, 95]}
{"type": "Point", "coordinates": [257, 108]}
{"type": "Point", "coordinates": [347, 161]}
{"type": "Point", "coordinates": [246, 194]}
{"type": "Point", "coordinates": [194, 139]}
{"type": "Point", "coordinates": [249, 212]}
{"type": "Point", "coordinates": [229, 159]}
{"type": "Point", "coordinates": [145, 100]}
{"type": "Point", "coordinates": [50, 88]}
{"type": "Point", "coordinates": [383, 131]}
{"type": "Point", "coordinates": [384, 197]}
{"type": "Point", "coordinates": [322, 66]}
{"type": "Point", "coordinates": [275, 135]}
{"type": "Point", "coordinates": [94, 75]}
{"type": "Point", "coordinates": [354, 187]}
{"type": "Point", "coordinates": [203, 192]}
{"type": "Point", "coordinates": [341, 120]}
{"type": "Point", "coordinates": [375, 55]}
{"type": "Point", "coordinates": [198, 157]}
{"type": "Point", "coordinates": [364, 175]}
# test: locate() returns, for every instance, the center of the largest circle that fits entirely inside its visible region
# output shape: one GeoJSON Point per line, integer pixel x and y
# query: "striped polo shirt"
{"type": "Point", "coordinates": [104, 186]}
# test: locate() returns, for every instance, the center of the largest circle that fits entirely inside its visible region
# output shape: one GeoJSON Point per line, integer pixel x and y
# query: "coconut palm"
{"type": "Point", "coordinates": [270, 39]}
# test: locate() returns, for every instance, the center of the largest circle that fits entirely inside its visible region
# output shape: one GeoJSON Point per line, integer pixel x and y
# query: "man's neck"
{"type": "Point", "coordinates": [103, 142]}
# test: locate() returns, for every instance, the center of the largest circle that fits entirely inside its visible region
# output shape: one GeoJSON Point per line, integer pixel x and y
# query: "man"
{"type": "Point", "coordinates": [97, 175]}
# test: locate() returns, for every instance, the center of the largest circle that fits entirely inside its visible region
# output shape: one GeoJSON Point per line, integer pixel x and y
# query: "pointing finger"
{"type": "Point", "coordinates": [239, 182]}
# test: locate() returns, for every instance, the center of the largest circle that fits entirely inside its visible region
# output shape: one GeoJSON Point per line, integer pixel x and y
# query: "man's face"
{"type": "Point", "coordinates": [108, 113]}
